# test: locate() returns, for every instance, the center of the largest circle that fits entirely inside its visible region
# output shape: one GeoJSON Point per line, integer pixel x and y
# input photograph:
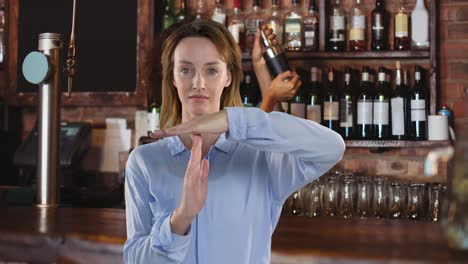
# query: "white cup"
{"type": "Point", "coordinates": [438, 127]}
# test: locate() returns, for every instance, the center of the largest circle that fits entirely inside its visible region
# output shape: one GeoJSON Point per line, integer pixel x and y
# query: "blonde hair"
{"type": "Point", "coordinates": [171, 108]}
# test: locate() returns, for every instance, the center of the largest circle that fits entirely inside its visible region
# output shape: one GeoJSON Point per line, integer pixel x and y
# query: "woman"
{"type": "Point", "coordinates": [219, 202]}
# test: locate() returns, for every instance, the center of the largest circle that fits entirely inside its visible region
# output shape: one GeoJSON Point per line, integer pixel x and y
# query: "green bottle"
{"type": "Point", "coordinates": [168, 16]}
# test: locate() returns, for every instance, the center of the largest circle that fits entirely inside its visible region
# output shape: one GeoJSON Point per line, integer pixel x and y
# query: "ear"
{"type": "Point", "coordinates": [228, 79]}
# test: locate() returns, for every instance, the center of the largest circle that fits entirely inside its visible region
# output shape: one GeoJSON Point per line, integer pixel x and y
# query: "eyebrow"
{"type": "Point", "coordinates": [209, 63]}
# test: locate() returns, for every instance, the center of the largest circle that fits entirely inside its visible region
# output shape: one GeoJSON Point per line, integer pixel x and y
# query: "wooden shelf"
{"type": "Point", "coordinates": [365, 55]}
{"type": "Point", "coordinates": [395, 144]}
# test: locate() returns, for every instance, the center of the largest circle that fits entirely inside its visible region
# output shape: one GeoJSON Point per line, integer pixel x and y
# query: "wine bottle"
{"type": "Point", "coordinates": [402, 39]}
{"type": "Point", "coordinates": [364, 107]}
{"type": "Point", "coordinates": [219, 13]}
{"type": "Point", "coordinates": [357, 31]}
{"type": "Point", "coordinates": [298, 106]}
{"type": "Point", "coordinates": [252, 23]}
{"type": "Point", "coordinates": [336, 38]}
{"type": "Point", "coordinates": [154, 109]}
{"type": "Point", "coordinates": [381, 122]}
{"type": "Point", "coordinates": [293, 28]}
{"type": "Point", "coordinates": [418, 106]}
{"type": "Point", "coordinates": [314, 108]}
{"type": "Point", "coordinates": [247, 91]}
{"type": "Point", "coordinates": [347, 107]}
{"type": "Point", "coordinates": [311, 28]}
{"type": "Point", "coordinates": [420, 26]}
{"type": "Point", "coordinates": [398, 103]}
{"type": "Point", "coordinates": [379, 23]}
{"type": "Point", "coordinates": [275, 22]}
{"type": "Point", "coordinates": [236, 25]}
{"type": "Point", "coordinates": [168, 16]}
{"type": "Point", "coordinates": [331, 103]}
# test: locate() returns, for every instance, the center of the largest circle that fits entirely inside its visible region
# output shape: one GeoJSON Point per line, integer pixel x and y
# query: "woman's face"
{"type": "Point", "coordinates": [200, 76]}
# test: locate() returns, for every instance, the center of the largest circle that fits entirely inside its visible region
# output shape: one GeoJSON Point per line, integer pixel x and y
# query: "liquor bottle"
{"type": "Point", "coordinates": [252, 23]}
{"type": "Point", "coordinates": [219, 13]}
{"type": "Point", "coordinates": [293, 28]}
{"type": "Point", "coordinates": [364, 107]}
{"type": "Point", "coordinates": [420, 26]}
{"type": "Point", "coordinates": [168, 16]}
{"type": "Point", "coordinates": [314, 108]}
{"type": "Point", "coordinates": [154, 110]}
{"type": "Point", "coordinates": [311, 28]}
{"type": "Point", "coordinates": [275, 22]}
{"type": "Point", "coordinates": [398, 104]}
{"type": "Point", "coordinates": [402, 40]}
{"type": "Point", "coordinates": [236, 25]}
{"type": "Point", "coordinates": [379, 23]}
{"type": "Point", "coordinates": [357, 31]}
{"type": "Point", "coordinates": [184, 13]}
{"type": "Point", "coordinates": [381, 120]}
{"type": "Point", "coordinates": [418, 99]}
{"type": "Point", "coordinates": [347, 107]}
{"type": "Point", "coordinates": [247, 91]}
{"type": "Point", "coordinates": [336, 38]}
{"type": "Point", "coordinates": [202, 10]}
{"type": "Point", "coordinates": [331, 103]}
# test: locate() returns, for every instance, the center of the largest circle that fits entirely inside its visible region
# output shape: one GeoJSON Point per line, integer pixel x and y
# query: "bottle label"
{"type": "Point", "coordinates": [364, 112]}
{"type": "Point", "coordinates": [401, 25]}
{"type": "Point", "coordinates": [220, 18]}
{"type": "Point", "coordinates": [309, 37]}
{"type": "Point", "coordinates": [298, 110]}
{"type": "Point", "coordinates": [337, 22]}
{"type": "Point", "coordinates": [314, 113]}
{"type": "Point", "coordinates": [378, 27]}
{"type": "Point", "coordinates": [358, 22]}
{"type": "Point", "coordinates": [234, 29]}
{"type": "Point", "coordinates": [418, 110]}
{"type": "Point", "coordinates": [356, 34]}
{"type": "Point", "coordinates": [153, 121]}
{"type": "Point", "coordinates": [380, 112]}
{"type": "Point", "coordinates": [293, 26]}
{"type": "Point", "coordinates": [330, 110]}
{"type": "Point", "coordinates": [346, 113]}
{"type": "Point", "coordinates": [398, 116]}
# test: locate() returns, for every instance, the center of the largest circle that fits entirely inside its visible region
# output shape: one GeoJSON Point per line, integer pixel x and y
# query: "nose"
{"type": "Point", "coordinates": [198, 81]}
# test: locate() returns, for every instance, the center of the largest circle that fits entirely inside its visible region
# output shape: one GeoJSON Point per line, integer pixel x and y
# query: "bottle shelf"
{"type": "Point", "coordinates": [395, 143]}
{"type": "Point", "coordinates": [303, 55]}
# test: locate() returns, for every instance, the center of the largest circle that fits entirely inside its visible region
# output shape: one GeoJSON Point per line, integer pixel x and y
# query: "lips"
{"type": "Point", "coordinates": [199, 97]}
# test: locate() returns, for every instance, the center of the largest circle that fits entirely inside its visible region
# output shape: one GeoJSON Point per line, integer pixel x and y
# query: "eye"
{"type": "Point", "coordinates": [185, 70]}
{"type": "Point", "coordinates": [212, 71]}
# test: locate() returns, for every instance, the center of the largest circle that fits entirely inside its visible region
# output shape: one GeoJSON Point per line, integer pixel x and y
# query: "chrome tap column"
{"type": "Point", "coordinates": [43, 68]}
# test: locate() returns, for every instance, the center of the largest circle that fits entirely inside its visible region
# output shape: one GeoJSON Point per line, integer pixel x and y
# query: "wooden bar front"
{"type": "Point", "coordinates": [73, 235]}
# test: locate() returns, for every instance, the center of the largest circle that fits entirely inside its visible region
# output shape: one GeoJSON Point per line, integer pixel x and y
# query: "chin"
{"type": "Point", "coordinates": [202, 109]}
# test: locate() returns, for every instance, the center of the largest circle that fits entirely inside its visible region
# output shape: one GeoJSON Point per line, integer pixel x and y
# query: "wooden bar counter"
{"type": "Point", "coordinates": [86, 235]}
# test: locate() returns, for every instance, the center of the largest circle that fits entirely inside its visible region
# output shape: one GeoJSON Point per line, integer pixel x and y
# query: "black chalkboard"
{"type": "Point", "coordinates": [105, 39]}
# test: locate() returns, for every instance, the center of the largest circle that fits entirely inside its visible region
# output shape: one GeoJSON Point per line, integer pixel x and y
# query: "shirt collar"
{"type": "Point", "coordinates": [176, 146]}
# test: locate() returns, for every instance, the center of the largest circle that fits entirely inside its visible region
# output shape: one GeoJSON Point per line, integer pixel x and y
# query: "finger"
{"type": "Point", "coordinates": [257, 38]}
{"type": "Point", "coordinates": [268, 31]}
{"type": "Point", "coordinates": [284, 75]}
{"type": "Point", "coordinates": [158, 134]}
{"type": "Point", "coordinates": [196, 148]}
{"type": "Point", "coordinates": [205, 170]}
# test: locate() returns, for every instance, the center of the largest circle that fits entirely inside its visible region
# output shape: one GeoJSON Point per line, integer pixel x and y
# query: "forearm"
{"type": "Point", "coordinates": [263, 77]}
{"type": "Point", "coordinates": [180, 223]}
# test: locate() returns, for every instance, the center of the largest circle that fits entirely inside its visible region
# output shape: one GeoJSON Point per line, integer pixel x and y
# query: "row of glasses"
{"type": "Point", "coordinates": [347, 195]}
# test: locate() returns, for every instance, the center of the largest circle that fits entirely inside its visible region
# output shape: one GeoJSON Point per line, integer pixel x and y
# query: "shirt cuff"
{"type": "Point", "coordinates": [165, 239]}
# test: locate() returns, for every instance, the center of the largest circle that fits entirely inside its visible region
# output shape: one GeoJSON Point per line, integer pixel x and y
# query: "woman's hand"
{"type": "Point", "coordinates": [214, 123]}
{"type": "Point", "coordinates": [194, 190]}
{"type": "Point", "coordinates": [257, 58]}
{"type": "Point", "coordinates": [281, 89]}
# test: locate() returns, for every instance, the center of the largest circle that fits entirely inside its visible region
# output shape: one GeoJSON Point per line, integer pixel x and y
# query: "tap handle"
{"type": "Point", "coordinates": [70, 68]}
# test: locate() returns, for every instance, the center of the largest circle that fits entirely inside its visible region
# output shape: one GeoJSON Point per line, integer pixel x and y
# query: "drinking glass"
{"type": "Point", "coordinates": [330, 196]}
{"type": "Point", "coordinates": [379, 198]}
{"type": "Point", "coordinates": [397, 200]}
{"type": "Point", "coordinates": [348, 197]}
{"type": "Point", "coordinates": [415, 209]}
{"type": "Point", "coordinates": [315, 199]}
{"type": "Point", "coordinates": [363, 197]}
{"type": "Point", "coordinates": [436, 196]}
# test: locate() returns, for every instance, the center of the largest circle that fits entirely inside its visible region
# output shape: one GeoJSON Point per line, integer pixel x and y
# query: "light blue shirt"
{"type": "Point", "coordinates": [254, 167]}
